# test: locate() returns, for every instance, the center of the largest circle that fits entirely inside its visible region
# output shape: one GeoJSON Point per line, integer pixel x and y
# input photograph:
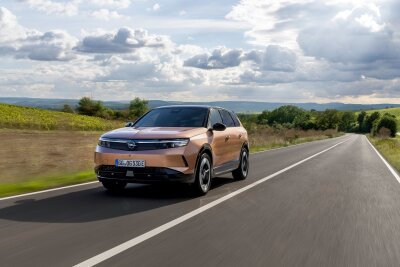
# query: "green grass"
{"type": "Point", "coordinates": [389, 148]}
{"type": "Point", "coordinates": [42, 183]}
{"type": "Point", "coordinates": [17, 117]}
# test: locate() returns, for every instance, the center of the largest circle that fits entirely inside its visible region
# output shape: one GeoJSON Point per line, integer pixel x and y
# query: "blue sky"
{"type": "Point", "coordinates": [287, 51]}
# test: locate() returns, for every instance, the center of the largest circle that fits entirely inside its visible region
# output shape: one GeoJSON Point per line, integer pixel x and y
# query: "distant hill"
{"type": "Point", "coordinates": [237, 106]}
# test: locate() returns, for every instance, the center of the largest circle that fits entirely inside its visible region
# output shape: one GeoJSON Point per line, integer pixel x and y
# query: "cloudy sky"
{"type": "Point", "coordinates": [281, 50]}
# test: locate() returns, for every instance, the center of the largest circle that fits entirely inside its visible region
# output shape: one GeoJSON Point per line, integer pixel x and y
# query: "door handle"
{"type": "Point", "coordinates": [227, 137]}
{"type": "Point", "coordinates": [240, 136]}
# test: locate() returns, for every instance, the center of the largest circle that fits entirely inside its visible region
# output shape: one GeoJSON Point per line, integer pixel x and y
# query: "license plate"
{"type": "Point", "coordinates": [130, 163]}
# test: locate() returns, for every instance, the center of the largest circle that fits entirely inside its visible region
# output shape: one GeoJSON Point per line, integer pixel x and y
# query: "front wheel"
{"type": "Point", "coordinates": [243, 170]}
{"type": "Point", "coordinates": [114, 186]}
{"type": "Point", "coordinates": [202, 182]}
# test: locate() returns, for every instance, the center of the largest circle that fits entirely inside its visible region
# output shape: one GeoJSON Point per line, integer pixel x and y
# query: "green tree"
{"type": "Point", "coordinates": [263, 117]}
{"type": "Point", "coordinates": [67, 109]}
{"type": "Point", "coordinates": [137, 107]}
{"type": "Point", "coordinates": [285, 115]}
{"type": "Point", "coordinates": [304, 121]}
{"type": "Point", "coordinates": [328, 119]}
{"type": "Point", "coordinates": [361, 119]}
{"type": "Point", "coordinates": [89, 107]}
{"type": "Point", "coordinates": [387, 121]}
{"type": "Point", "coordinates": [370, 120]}
{"type": "Point", "coordinates": [86, 106]}
{"type": "Point", "coordinates": [347, 122]}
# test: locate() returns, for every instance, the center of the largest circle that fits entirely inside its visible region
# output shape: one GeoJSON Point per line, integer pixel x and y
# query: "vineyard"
{"type": "Point", "coordinates": [38, 119]}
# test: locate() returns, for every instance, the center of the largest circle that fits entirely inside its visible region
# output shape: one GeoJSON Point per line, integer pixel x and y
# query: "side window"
{"type": "Point", "coordinates": [214, 117]}
{"type": "Point", "coordinates": [235, 119]}
{"type": "Point", "coordinates": [226, 118]}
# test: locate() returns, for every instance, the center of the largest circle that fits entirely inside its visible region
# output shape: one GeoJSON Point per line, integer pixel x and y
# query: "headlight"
{"type": "Point", "coordinates": [175, 142]}
{"type": "Point", "coordinates": [103, 143]}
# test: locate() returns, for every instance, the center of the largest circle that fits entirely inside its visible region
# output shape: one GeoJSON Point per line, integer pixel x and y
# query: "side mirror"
{"type": "Point", "coordinates": [219, 127]}
{"type": "Point", "coordinates": [129, 124]}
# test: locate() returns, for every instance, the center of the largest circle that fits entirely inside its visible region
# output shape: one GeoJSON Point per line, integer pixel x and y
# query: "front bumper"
{"type": "Point", "coordinates": [146, 175]}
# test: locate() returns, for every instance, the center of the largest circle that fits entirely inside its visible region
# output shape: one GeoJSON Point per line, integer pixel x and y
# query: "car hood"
{"type": "Point", "coordinates": [154, 132]}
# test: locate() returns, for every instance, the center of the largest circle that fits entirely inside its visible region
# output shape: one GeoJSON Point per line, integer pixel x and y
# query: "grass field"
{"type": "Point", "coordinates": [16, 117]}
{"type": "Point", "coordinates": [389, 148]}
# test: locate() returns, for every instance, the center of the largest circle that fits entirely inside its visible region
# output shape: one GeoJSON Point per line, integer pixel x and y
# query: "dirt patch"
{"type": "Point", "coordinates": [27, 154]}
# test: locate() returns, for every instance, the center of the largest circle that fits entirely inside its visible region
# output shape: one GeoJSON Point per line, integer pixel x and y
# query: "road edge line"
{"type": "Point", "coordinates": [160, 229]}
{"type": "Point", "coordinates": [391, 169]}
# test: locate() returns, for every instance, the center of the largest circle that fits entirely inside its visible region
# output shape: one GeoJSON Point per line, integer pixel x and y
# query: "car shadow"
{"type": "Point", "coordinates": [98, 204]}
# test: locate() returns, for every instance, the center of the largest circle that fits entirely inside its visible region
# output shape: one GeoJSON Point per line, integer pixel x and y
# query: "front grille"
{"type": "Point", "coordinates": [138, 147]}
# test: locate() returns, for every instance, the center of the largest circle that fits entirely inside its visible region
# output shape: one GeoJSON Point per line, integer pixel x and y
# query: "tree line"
{"type": "Point", "coordinates": [86, 106]}
{"type": "Point", "coordinates": [283, 117]}
{"type": "Point", "coordinates": [345, 121]}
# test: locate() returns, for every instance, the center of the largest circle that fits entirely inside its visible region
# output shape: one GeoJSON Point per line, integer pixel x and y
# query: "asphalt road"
{"type": "Point", "coordinates": [340, 207]}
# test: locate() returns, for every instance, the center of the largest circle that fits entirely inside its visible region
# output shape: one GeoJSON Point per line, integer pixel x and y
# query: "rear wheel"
{"type": "Point", "coordinates": [243, 170]}
{"type": "Point", "coordinates": [202, 182]}
{"type": "Point", "coordinates": [114, 186]}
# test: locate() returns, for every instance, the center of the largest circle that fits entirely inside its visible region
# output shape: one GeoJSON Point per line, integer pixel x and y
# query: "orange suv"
{"type": "Point", "coordinates": [189, 144]}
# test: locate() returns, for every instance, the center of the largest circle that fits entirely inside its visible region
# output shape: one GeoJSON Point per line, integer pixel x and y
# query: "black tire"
{"type": "Point", "coordinates": [203, 174]}
{"type": "Point", "coordinates": [243, 170]}
{"type": "Point", "coordinates": [114, 186]}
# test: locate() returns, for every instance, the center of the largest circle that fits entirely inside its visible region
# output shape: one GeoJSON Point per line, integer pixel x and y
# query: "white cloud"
{"type": "Point", "coordinates": [125, 40]}
{"type": "Point", "coordinates": [274, 58]}
{"type": "Point", "coordinates": [358, 35]}
{"type": "Point", "coordinates": [220, 58]}
{"type": "Point", "coordinates": [10, 29]}
{"type": "Point", "coordinates": [156, 7]}
{"type": "Point", "coordinates": [26, 43]}
{"type": "Point", "coordinates": [105, 14]}
{"type": "Point", "coordinates": [119, 4]}
{"type": "Point", "coordinates": [68, 8]}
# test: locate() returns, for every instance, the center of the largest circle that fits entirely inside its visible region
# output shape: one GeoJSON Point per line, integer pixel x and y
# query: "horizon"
{"type": "Point", "coordinates": [282, 52]}
{"type": "Point", "coordinates": [187, 101]}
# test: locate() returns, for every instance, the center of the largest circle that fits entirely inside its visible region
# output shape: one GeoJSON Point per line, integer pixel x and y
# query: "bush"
{"type": "Point", "coordinates": [388, 121]}
{"type": "Point", "coordinates": [67, 109]}
{"type": "Point", "coordinates": [384, 133]}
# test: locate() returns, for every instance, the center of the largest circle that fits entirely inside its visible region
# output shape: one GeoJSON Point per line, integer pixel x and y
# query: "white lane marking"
{"type": "Point", "coordinates": [82, 184]}
{"type": "Point", "coordinates": [48, 190]}
{"type": "Point", "coordinates": [139, 239]}
{"type": "Point", "coordinates": [385, 161]}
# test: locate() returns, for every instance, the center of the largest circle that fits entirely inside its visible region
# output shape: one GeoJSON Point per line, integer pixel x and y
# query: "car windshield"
{"type": "Point", "coordinates": [174, 117]}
